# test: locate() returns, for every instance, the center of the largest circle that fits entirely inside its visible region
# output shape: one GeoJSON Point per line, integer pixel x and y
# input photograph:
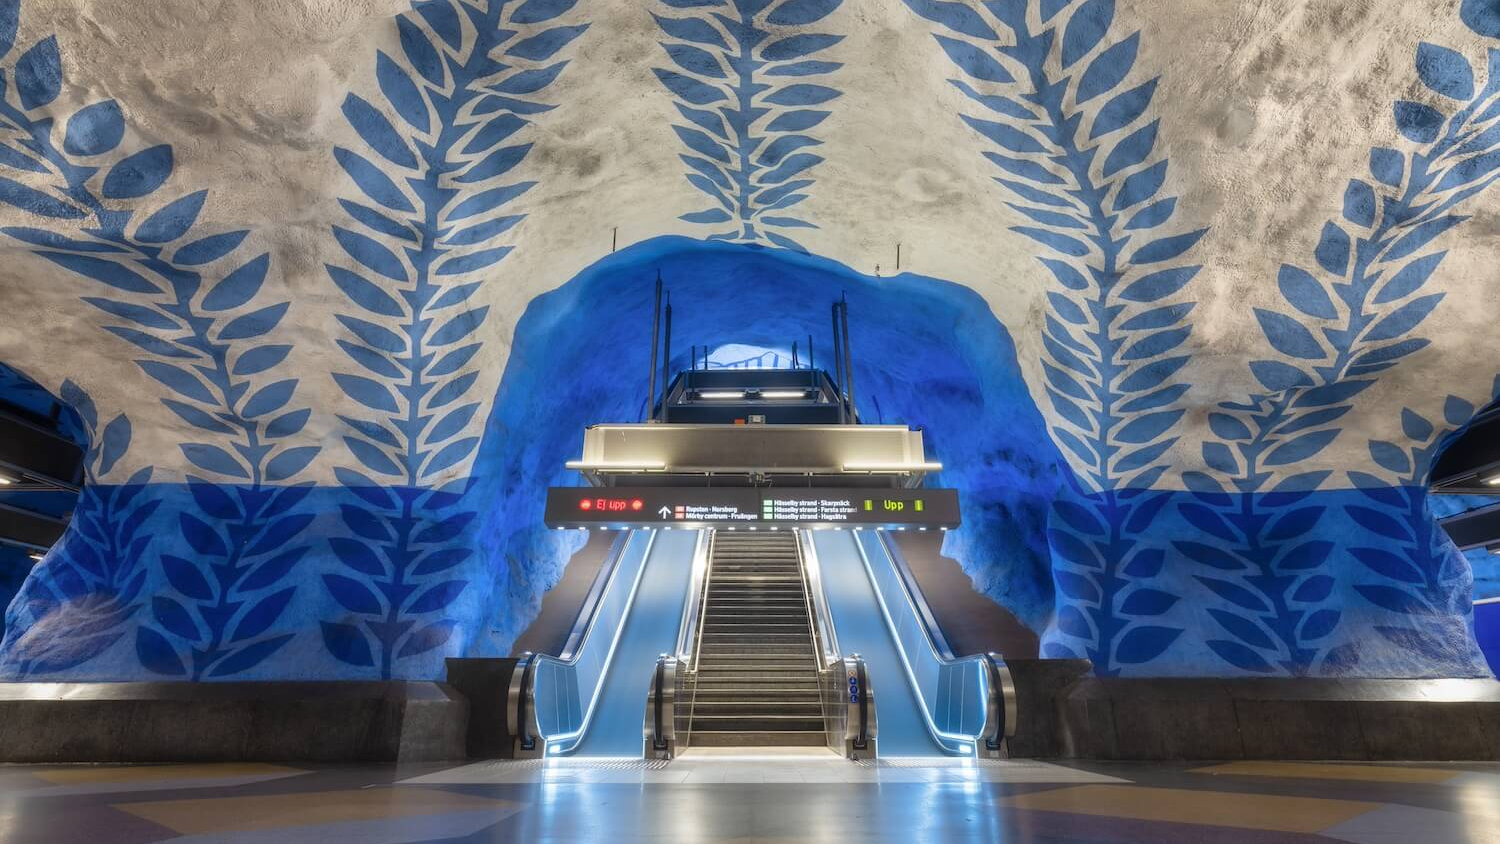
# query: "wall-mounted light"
{"type": "Point", "coordinates": [1492, 480]}
{"type": "Point", "coordinates": [6, 480]}
{"type": "Point", "coordinates": [893, 467]}
{"type": "Point", "coordinates": [617, 466]}
{"type": "Point", "coordinates": [37, 556]}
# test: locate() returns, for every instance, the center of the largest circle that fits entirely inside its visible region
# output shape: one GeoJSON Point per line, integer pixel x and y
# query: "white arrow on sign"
{"type": "Point", "coordinates": [666, 512]}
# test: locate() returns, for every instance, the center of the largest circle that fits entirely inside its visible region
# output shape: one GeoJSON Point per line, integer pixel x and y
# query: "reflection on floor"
{"type": "Point", "coordinates": [768, 797]}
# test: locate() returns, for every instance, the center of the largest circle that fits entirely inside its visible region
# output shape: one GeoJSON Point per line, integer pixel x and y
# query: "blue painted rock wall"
{"type": "Point", "coordinates": [1187, 342]}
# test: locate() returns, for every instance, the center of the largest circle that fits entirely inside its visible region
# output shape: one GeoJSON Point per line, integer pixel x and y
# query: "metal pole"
{"type": "Point", "coordinates": [838, 371]}
{"type": "Point", "coordinates": [655, 330]}
{"type": "Point", "coordinates": [810, 353]}
{"type": "Point", "coordinates": [666, 357]}
{"type": "Point", "coordinates": [848, 359]}
{"type": "Point", "coordinates": [794, 355]}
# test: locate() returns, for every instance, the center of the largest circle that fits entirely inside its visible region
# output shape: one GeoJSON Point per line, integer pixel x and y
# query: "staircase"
{"type": "Point", "coordinates": [757, 671]}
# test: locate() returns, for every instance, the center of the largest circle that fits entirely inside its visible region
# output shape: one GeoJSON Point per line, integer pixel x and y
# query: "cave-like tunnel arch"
{"type": "Point", "coordinates": [1225, 308]}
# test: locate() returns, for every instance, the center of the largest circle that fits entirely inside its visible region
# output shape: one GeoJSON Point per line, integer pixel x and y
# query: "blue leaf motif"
{"type": "Point", "coordinates": [1288, 336]}
{"type": "Point", "coordinates": [253, 324]}
{"type": "Point", "coordinates": [1123, 110]}
{"type": "Point", "coordinates": [38, 74]}
{"type": "Point", "coordinates": [208, 249]}
{"type": "Point", "coordinates": [437, 597]}
{"type": "Point", "coordinates": [1418, 122]}
{"type": "Point", "coordinates": [156, 654]}
{"type": "Point", "coordinates": [139, 174]}
{"type": "Point", "coordinates": [288, 463]}
{"type": "Point", "coordinates": [94, 129]}
{"type": "Point", "coordinates": [1445, 71]}
{"type": "Point", "coordinates": [259, 618]}
{"type": "Point", "coordinates": [401, 92]}
{"type": "Point", "coordinates": [974, 60]}
{"type": "Point", "coordinates": [378, 132]}
{"type": "Point", "coordinates": [211, 458]}
{"type": "Point", "coordinates": [352, 595]}
{"type": "Point", "coordinates": [1085, 30]}
{"type": "Point", "coordinates": [1108, 69]}
{"type": "Point", "coordinates": [347, 644]}
{"type": "Point", "coordinates": [240, 286]}
{"type": "Point", "coordinates": [172, 221]}
{"type": "Point", "coordinates": [1144, 643]}
{"type": "Point", "coordinates": [800, 12]}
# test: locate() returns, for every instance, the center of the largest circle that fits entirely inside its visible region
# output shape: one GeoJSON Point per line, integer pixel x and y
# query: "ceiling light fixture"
{"type": "Point", "coordinates": [893, 467]}
{"type": "Point", "coordinates": [624, 465]}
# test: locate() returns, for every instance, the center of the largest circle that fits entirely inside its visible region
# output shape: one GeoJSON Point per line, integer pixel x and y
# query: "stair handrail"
{"type": "Point", "coordinates": [692, 629]}
{"type": "Point", "coordinates": [824, 635]}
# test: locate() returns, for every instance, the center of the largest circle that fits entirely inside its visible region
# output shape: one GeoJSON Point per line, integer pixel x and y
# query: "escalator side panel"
{"type": "Point", "coordinates": [862, 629]}
{"type": "Point", "coordinates": [565, 690]}
{"type": "Point", "coordinates": [953, 691]}
{"type": "Point", "coordinates": [613, 728]}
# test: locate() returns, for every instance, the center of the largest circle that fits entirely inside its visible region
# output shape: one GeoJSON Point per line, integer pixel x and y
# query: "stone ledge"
{"type": "Point", "coordinates": [1179, 720]}
{"type": "Point", "coordinates": [232, 722]}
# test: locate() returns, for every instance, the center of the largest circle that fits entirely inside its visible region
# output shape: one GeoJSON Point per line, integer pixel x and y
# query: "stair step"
{"type": "Point", "coordinates": [757, 723]}
{"type": "Point", "coordinates": [760, 739]}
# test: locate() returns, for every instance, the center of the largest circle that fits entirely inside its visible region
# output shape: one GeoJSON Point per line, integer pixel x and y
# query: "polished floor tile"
{"type": "Point", "coordinates": [767, 797]}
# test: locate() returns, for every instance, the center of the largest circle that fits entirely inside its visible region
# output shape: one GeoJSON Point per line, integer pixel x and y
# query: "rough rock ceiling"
{"type": "Point", "coordinates": [1239, 248]}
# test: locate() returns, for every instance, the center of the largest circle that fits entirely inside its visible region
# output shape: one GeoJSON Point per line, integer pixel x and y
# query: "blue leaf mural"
{"type": "Point", "coordinates": [96, 574]}
{"type": "Point", "coordinates": [441, 149]}
{"type": "Point", "coordinates": [742, 76]}
{"type": "Point", "coordinates": [1365, 284]}
{"type": "Point", "coordinates": [193, 326]}
{"type": "Point", "coordinates": [1116, 325]}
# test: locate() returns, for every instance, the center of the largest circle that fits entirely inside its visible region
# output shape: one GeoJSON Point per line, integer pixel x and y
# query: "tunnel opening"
{"type": "Point", "coordinates": [928, 353]}
{"type": "Point", "coordinates": [44, 446]}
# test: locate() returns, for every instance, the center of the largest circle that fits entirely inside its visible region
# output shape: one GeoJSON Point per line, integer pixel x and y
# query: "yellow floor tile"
{"type": "Point", "coordinates": [278, 811]}
{"type": "Point", "coordinates": [1211, 808]}
{"type": "Point", "coordinates": [1328, 771]}
{"type": "Point", "coordinates": [153, 773]}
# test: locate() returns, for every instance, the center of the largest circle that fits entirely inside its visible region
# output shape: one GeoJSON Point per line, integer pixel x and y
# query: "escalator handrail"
{"type": "Point", "coordinates": [943, 738]}
{"type": "Point", "coordinates": [935, 637]}
{"type": "Point", "coordinates": [572, 660]}
{"type": "Point", "coordinates": [1000, 717]}
{"type": "Point", "coordinates": [520, 712]}
{"type": "Point", "coordinates": [590, 607]}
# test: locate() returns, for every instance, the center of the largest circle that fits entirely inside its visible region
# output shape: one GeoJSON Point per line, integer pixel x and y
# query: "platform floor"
{"type": "Point", "coordinates": [771, 797]}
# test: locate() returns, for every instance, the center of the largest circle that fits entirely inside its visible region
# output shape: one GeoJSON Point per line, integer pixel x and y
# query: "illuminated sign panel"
{"type": "Point", "coordinates": [750, 507]}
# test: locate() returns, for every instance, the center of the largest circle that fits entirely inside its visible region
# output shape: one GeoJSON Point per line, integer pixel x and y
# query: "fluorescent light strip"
{"type": "Point", "coordinates": [783, 394]}
{"type": "Point", "coordinates": [1493, 481]}
{"type": "Point", "coordinates": [615, 466]}
{"type": "Point", "coordinates": [892, 467]}
{"type": "Point", "coordinates": [719, 395]}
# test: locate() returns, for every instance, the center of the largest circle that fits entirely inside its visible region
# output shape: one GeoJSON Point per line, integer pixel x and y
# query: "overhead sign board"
{"type": "Point", "coordinates": [698, 507]}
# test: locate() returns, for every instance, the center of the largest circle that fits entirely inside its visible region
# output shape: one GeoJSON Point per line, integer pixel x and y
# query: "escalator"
{"type": "Point", "coordinates": [586, 701]}
{"type": "Point", "coordinates": [756, 670]}
{"type": "Point", "coordinates": [759, 639]}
